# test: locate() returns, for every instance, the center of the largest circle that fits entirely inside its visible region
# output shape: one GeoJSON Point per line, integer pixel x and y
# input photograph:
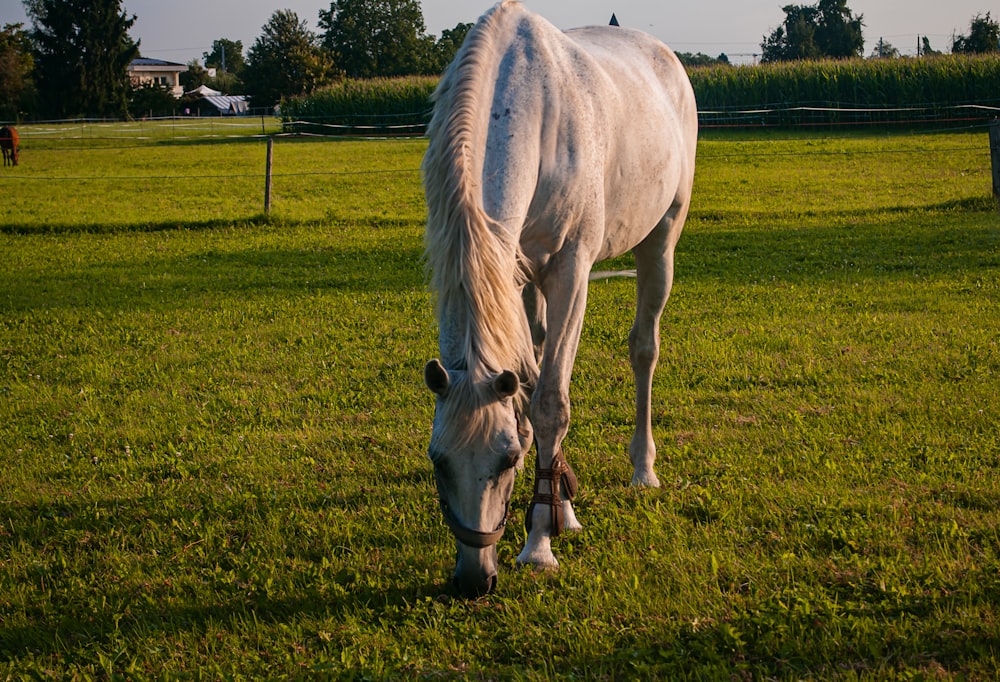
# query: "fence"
{"type": "Point", "coordinates": [414, 124]}
{"type": "Point", "coordinates": [85, 135]}
{"type": "Point", "coordinates": [818, 115]}
{"type": "Point", "coordinates": [831, 116]}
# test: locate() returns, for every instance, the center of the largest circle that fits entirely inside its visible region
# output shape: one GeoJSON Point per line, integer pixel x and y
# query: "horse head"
{"type": "Point", "coordinates": [478, 441]}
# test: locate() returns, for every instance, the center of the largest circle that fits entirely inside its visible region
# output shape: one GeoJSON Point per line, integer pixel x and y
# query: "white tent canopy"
{"type": "Point", "coordinates": [203, 91]}
{"type": "Point", "coordinates": [225, 105]}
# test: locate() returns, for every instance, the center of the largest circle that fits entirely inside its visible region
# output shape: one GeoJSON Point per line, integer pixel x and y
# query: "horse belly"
{"type": "Point", "coordinates": [640, 189]}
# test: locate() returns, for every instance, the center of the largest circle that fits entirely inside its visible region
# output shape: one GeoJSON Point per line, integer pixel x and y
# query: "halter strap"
{"type": "Point", "coordinates": [561, 479]}
{"type": "Point", "coordinates": [469, 536]}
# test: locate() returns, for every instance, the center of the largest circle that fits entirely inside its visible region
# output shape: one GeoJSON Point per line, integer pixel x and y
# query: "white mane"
{"type": "Point", "coordinates": [473, 261]}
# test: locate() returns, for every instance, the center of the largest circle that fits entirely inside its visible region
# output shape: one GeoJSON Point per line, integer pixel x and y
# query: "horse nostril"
{"type": "Point", "coordinates": [473, 589]}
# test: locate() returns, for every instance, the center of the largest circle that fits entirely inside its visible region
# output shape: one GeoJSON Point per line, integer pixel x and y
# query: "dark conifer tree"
{"type": "Point", "coordinates": [82, 53]}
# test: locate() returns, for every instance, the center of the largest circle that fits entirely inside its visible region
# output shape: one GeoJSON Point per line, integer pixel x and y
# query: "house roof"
{"type": "Point", "coordinates": [145, 62]}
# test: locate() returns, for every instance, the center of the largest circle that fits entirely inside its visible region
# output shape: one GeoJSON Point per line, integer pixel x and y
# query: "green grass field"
{"type": "Point", "coordinates": [213, 425]}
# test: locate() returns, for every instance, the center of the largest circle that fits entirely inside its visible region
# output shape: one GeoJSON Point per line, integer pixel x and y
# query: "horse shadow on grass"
{"type": "Point", "coordinates": [180, 283]}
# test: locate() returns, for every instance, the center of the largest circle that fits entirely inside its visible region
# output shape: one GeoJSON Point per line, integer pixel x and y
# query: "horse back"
{"type": "Point", "coordinates": [591, 137]}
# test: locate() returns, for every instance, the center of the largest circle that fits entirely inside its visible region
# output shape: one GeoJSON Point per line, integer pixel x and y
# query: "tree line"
{"type": "Point", "coordinates": [830, 30]}
{"type": "Point", "coordinates": [73, 60]}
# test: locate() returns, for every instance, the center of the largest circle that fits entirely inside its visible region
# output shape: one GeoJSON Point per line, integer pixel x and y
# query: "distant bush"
{"type": "Point", "coordinates": [380, 106]}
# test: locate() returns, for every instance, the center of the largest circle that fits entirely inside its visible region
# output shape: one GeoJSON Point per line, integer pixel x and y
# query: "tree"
{"type": "Point", "coordinates": [701, 59]}
{"type": "Point", "coordinates": [825, 30]}
{"type": "Point", "coordinates": [925, 48]}
{"type": "Point", "coordinates": [285, 60]}
{"type": "Point", "coordinates": [195, 76]}
{"type": "Point", "coordinates": [17, 88]}
{"type": "Point", "coordinates": [151, 99]}
{"type": "Point", "coordinates": [884, 50]}
{"type": "Point", "coordinates": [226, 55]}
{"type": "Point", "coordinates": [82, 54]}
{"type": "Point", "coordinates": [794, 39]}
{"type": "Point", "coordinates": [447, 45]}
{"type": "Point", "coordinates": [371, 38]}
{"type": "Point", "coordinates": [984, 36]}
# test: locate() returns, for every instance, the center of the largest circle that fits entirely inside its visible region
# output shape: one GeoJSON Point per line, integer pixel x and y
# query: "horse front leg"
{"type": "Point", "coordinates": [551, 510]}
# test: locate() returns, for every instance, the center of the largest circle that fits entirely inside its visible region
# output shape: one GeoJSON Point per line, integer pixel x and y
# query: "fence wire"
{"type": "Point", "coordinates": [54, 133]}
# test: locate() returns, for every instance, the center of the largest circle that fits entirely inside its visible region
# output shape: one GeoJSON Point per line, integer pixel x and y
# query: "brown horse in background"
{"type": "Point", "coordinates": [9, 145]}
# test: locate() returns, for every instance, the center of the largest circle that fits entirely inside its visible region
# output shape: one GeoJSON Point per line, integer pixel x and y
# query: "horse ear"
{"type": "Point", "coordinates": [506, 384]}
{"type": "Point", "coordinates": [436, 377]}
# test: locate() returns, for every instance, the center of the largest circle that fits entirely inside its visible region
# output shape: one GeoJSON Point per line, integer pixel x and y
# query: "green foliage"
{"type": "Point", "coordinates": [827, 29]}
{"type": "Point", "coordinates": [925, 48]}
{"type": "Point", "coordinates": [214, 428]}
{"type": "Point", "coordinates": [383, 38]}
{"type": "Point", "coordinates": [284, 61]}
{"type": "Point", "coordinates": [196, 75]}
{"type": "Point", "coordinates": [372, 102]}
{"type": "Point", "coordinates": [82, 53]}
{"type": "Point", "coordinates": [691, 60]}
{"type": "Point", "coordinates": [226, 55]}
{"type": "Point", "coordinates": [151, 99]}
{"type": "Point", "coordinates": [448, 44]}
{"type": "Point", "coordinates": [17, 87]}
{"type": "Point", "coordinates": [984, 37]}
{"type": "Point", "coordinates": [942, 81]}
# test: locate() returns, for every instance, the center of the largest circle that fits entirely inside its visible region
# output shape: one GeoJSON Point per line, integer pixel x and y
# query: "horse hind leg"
{"type": "Point", "coordinates": [654, 259]}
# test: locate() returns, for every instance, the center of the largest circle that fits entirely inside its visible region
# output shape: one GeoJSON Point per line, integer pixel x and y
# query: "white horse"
{"type": "Point", "coordinates": [548, 152]}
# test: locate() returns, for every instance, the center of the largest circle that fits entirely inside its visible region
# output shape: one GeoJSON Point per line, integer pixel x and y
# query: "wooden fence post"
{"type": "Point", "coordinates": [995, 156]}
{"type": "Point", "coordinates": [267, 179]}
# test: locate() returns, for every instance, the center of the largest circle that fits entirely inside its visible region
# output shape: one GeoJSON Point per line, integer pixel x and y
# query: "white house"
{"type": "Point", "coordinates": [167, 74]}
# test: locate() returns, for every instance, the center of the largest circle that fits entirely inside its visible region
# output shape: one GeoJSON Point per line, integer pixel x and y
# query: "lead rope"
{"type": "Point", "coordinates": [560, 476]}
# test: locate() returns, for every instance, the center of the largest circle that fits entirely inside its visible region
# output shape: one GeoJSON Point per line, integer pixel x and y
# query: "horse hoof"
{"type": "Point", "coordinates": [537, 559]}
{"type": "Point", "coordinates": [570, 522]}
{"type": "Point", "coordinates": [645, 479]}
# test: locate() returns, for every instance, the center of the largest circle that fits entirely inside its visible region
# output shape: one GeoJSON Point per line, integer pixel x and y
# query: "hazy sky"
{"type": "Point", "coordinates": [182, 30]}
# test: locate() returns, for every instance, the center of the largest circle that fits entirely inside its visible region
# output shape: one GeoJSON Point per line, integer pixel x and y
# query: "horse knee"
{"type": "Point", "coordinates": [550, 412]}
{"type": "Point", "coordinates": [643, 348]}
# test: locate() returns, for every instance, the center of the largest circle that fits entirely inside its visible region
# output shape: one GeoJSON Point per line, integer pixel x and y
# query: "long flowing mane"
{"type": "Point", "coordinates": [474, 261]}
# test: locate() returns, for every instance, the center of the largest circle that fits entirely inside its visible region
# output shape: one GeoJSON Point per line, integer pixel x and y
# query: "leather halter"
{"type": "Point", "coordinates": [470, 537]}
{"type": "Point", "coordinates": [561, 479]}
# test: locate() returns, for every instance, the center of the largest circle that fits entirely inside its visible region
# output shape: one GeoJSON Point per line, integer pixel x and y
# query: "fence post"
{"type": "Point", "coordinates": [267, 179]}
{"type": "Point", "coordinates": [995, 156]}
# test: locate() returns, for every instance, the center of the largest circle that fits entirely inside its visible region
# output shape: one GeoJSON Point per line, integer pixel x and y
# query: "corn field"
{"type": "Point", "coordinates": [860, 91]}
{"type": "Point", "coordinates": [850, 91]}
{"type": "Point", "coordinates": [377, 106]}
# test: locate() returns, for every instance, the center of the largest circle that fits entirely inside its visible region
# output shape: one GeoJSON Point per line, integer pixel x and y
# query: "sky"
{"type": "Point", "coordinates": [182, 30]}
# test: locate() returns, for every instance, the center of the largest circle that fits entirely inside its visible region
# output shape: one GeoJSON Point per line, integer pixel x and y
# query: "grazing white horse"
{"type": "Point", "coordinates": [549, 152]}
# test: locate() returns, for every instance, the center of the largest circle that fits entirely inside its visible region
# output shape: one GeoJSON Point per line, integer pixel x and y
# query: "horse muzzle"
{"type": "Point", "coordinates": [470, 536]}
{"type": "Point", "coordinates": [476, 565]}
